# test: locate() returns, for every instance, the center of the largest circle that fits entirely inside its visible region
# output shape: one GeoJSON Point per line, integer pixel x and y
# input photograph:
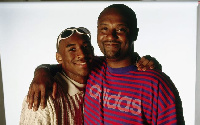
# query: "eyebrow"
{"type": "Point", "coordinates": [123, 24]}
{"type": "Point", "coordinates": [103, 24]}
{"type": "Point", "coordinates": [69, 45]}
{"type": "Point", "coordinates": [85, 42]}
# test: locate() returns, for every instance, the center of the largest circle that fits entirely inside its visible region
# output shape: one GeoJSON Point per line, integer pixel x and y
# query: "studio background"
{"type": "Point", "coordinates": [28, 33]}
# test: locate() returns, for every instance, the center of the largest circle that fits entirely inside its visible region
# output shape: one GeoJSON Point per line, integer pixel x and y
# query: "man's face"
{"type": "Point", "coordinates": [76, 54]}
{"type": "Point", "coordinates": [113, 34]}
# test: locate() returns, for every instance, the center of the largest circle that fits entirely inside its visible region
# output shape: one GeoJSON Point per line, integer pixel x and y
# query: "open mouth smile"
{"type": "Point", "coordinates": [82, 64]}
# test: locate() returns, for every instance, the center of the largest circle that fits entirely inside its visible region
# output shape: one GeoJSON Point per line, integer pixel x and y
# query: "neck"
{"type": "Point", "coordinates": [77, 78]}
{"type": "Point", "coordinates": [119, 63]}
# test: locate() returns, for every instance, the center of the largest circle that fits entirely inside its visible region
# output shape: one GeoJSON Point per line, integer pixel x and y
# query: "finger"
{"type": "Point", "coordinates": [150, 65]}
{"type": "Point", "coordinates": [144, 68]}
{"type": "Point", "coordinates": [145, 62]}
{"type": "Point", "coordinates": [54, 90]}
{"type": "Point", "coordinates": [141, 60]}
{"type": "Point", "coordinates": [145, 65]}
{"type": "Point", "coordinates": [36, 98]}
{"type": "Point", "coordinates": [139, 66]}
{"type": "Point", "coordinates": [30, 99]}
{"type": "Point", "coordinates": [27, 99]}
{"type": "Point", "coordinates": [43, 99]}
{"type": "Point", "coordinates": [139, 63]}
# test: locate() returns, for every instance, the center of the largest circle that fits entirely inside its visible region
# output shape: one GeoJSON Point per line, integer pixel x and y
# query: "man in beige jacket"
{"type": "Point", "coordinates": [74, 53]}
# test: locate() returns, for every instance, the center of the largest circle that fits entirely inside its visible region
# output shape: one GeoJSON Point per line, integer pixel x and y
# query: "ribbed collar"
{"type": "Point", "coordinates": [122, 70]}
{"type": "Point", "coordinates": [72, 86]}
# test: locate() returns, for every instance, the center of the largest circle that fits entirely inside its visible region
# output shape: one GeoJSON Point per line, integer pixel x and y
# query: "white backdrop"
{"type": "Point", "coordinates": [28, 33]}
{"type": "Point", "coordinates": [197, 87]}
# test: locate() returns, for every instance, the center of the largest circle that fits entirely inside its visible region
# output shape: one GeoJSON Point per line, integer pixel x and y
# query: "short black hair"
{"type": "Point", "coordinates": [126, 11]}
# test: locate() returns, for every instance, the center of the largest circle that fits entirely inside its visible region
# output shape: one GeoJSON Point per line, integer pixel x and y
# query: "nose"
{"type": "Point", "coordinates": [80, 53]}
{"type": "Point", "coordinates": [112, 35]}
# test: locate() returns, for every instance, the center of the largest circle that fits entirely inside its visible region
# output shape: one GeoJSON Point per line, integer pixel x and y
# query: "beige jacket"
{"type": "Point", "coordinates": [66, 109]}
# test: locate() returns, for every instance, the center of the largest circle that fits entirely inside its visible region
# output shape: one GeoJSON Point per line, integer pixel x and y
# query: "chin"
{"type": "Point", "coordinates": [112, 54]}
{"type": "Point", "coordinates": [84, 74]}
{"type": "Point", "coordinates": [114, 57]}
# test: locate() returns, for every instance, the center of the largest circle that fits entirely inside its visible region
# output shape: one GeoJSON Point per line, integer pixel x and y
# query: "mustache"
{"type": "Point", "coordinates": [111, 41]}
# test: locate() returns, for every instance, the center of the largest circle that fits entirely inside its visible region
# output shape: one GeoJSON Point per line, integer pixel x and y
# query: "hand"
{"type": "Point", "coordinates": [148, 62]}
{"type": "Point", "coordinates": [41, 85]}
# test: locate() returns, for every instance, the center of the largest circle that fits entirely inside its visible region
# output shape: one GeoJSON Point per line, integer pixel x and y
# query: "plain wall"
{"type": "Point", "coordinates": [197, 95]}
{"type": "Point", "coordinates": [28, 33]}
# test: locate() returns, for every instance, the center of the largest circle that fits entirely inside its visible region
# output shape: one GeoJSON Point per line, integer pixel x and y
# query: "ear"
{"type": "Point", "coordinates": [135, 34]}
{"type": "Point", "coordinates": [59, 58]}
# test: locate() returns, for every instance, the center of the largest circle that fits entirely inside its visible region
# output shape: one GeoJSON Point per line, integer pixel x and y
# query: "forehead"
{"type": "Point", "coordinates": [112, 15]}
{"type": "Point", "coordinates": [76, 39]}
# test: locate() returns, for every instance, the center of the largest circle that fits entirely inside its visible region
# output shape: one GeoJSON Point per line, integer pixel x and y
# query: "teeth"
{"type": "Point", "coordinates": [82, 63]}
{"type": "Point", "coordinates": [111, 44]}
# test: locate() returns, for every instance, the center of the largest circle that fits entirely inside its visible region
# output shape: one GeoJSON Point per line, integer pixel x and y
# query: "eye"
{"type": "Point", "coordinates": [121, 30]}
{"type": "Point", "coordinates": [85, 47]}
{"type": "Point", "coordinates": [72, 49]}
{"type": "Point", "coordinates": [103, 29]}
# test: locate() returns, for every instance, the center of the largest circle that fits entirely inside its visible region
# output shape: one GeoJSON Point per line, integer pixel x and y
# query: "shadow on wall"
{"type": "Point", "coordinates": [2, 109]}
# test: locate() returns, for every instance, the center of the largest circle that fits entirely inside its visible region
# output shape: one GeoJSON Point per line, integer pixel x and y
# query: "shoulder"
{"type": "Point", "coordinates": [166, 88]}
{"type": "Point", "coordinates": [153, 75]}
{"type": "Point", "coordinates": [160, 81]}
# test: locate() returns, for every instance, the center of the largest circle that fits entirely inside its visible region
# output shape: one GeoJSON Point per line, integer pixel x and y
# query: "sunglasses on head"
{"type": "Point", "coordinates": [70, 31]}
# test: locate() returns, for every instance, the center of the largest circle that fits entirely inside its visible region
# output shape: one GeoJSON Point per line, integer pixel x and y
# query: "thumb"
{"type": "Point", "coordinates": [54, 90]}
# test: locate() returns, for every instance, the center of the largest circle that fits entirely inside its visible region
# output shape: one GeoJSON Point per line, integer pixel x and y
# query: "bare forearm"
{"type": "Point", "coordinates": [41, 85]}
{"type": "Point", "coordinates": [52, 68]}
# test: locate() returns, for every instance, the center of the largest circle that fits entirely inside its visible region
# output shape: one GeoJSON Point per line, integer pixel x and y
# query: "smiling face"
{"type": "Point", "coordinates": [75, 54]}
{"type": "Point", "coordinates": [114, 34]}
